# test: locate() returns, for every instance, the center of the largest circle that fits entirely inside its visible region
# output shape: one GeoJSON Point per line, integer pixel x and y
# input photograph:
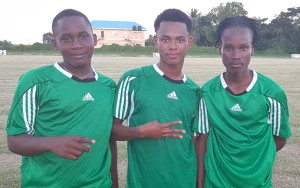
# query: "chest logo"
{"type": "Point", "coordinates": [88, 97]}
{"type": "Point", "coordinates": [172, 95]}
{"type": "Point", "coordinates": [236, 108]}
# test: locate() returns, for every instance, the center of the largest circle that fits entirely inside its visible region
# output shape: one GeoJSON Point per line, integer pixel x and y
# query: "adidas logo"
{"type": "Point", "coordinates": [88, 97]}
{"type": "Point", "coordinates": [172, 95]}
{"type": "Point", "coordinates": [236, 108]}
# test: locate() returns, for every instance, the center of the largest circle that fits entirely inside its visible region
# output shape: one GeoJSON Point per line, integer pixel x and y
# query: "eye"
{"type": "Point", "coordinates": [245, 48]}
{"type": "Point", "coordinates": [180, 40]}
{"type": "Point", "coordinates": [227, 48]}
{"type": "Point", "coordinates": [165, 40]}
{"type": "Point", "coordinates": [84, 36]}
{"type": "Point", "coordinates": [65, 39]}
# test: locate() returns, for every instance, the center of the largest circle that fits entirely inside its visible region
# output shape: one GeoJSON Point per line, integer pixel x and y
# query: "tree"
{"type": "Point", "coordinates": [47, 37]}
{"type": "Point", "coordinates": [202, 28]}
{"type": "Point", "coordinates": [5, 45]}
{"type": "Point", "coordinates": [221, 12]}
{"type": "Point", "coordinates": [205, 31]}
{"type": "Point", "coordinates": [286, 30]}
{"type": "Point", "coordinates": [149, 41]}
{"type": "Point", "coordinates": [294, 14]}
{"type": "Point", "coordinates": [194, 14]}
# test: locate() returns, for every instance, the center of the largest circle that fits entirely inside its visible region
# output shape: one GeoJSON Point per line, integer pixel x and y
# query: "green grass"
{"type": "Point", "coordinates": [135, 51]}
{"type": "Point", "coordinates": [283, 70]}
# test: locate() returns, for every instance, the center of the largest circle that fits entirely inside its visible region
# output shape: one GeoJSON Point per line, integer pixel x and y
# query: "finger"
{"type": "Point", "coordinates": [71, 156]}
{"type": "Point", "coordinates": [172, 123]}
{"type": "Point", "coordinates": [173, 135]}
{"type": "Point", "coordinates": [86, 140]}
{"type": "Point", "coordinates": [82, 147]}
{"type": "Point", "coordinates": [76, 152]}
{"type": "Point", "coordinates": [176, 131]}
{"type": "Point", "coordinates": [86, 148]}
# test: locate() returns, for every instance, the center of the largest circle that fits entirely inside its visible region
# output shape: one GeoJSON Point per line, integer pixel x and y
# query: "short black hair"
{"type": "Point", "coordinates": [173, 15]}
{"type": "Point", "coordinates": [238, 21]}
{"type": "Point", "coordinates": [68, 13]}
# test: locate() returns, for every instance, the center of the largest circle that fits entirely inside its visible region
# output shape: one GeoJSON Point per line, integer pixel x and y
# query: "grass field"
{"type": "Point", "coordinates": [284, 71]}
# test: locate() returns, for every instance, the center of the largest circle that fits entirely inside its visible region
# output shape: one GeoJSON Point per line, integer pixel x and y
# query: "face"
{"type": "Point", "coordinates": [173, 42]}
{"type": "Point", "coordinates": [74, 39]}
{"type": "Point", "coordinates": [236, 49]}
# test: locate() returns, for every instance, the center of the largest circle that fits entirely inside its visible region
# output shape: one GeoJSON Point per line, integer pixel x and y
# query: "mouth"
{"type": "Point", "coordinates": [172, 55]}
{"type": "Point", "coordinates": [235, 65]}
{"type": "Point", "coordinates": [79, 55]}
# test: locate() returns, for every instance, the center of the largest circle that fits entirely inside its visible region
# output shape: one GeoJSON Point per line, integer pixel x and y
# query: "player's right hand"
{"type": "Point", "coordinates": [70, 147]}
{"type": "Point", "coordinates": [158, 130]}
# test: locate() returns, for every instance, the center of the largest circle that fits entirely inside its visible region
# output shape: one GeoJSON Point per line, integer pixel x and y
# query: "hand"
{"type": "Point", "coordinates": [70, 147]}
{"type": "Point", "coordinates": [157, 130]}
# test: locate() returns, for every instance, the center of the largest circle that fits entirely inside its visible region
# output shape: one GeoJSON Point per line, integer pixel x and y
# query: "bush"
{"type": "Point", "coordinates": [116, 49]}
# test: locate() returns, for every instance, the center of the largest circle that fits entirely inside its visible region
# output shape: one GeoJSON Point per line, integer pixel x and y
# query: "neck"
{"type": "Point", "coordinates": [172, 71]}
{"type": "Point", "coordinates": [80, 72]}
{"type": "Point", "coordinates": [239, 82]}
{"type": "Point", "coordinates": [238, 77]}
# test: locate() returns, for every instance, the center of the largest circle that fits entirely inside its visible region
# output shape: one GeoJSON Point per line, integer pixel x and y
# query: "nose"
{"type": "Point", "coordinates": [236, 54]}
{"type": "Point", "coordinates": [173, 44]}
{"type": "Point", "coordinates": [76, 43]}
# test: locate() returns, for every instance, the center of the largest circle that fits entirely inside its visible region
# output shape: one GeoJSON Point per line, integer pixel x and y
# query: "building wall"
{"type": "Point", "coordinates": [119, 36]}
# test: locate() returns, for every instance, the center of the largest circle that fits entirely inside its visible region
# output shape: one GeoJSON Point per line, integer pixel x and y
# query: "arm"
{"type": "Point", "coordinates": [201, 150]}
{"type": "Point", "coordinates": [70, 147]}
{"type": "Point", "coordinates": [151, 129]}
{"type": "Point", "coordinates": [114, 164]}
{"type": "Point", "coordinates": [195, 141]}
{"type": "Point", "coordinates": [280, 142]}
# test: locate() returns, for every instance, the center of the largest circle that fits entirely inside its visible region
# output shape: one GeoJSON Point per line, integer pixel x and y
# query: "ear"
{"type": "Point", "coordinates": [190, 42]}
{"type": "Point", "coordinates": [95, 39]}
{"type": "Point", "coordinates": [220, 51]}
{"type": "Point", "coordinates": [252, 50]}
{"type": "Point", "coordinates": [154, 40]}
{"type": "Point", "coordinates": [54, 44]}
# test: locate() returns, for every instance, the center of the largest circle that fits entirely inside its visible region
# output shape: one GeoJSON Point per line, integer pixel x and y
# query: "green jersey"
{"type": "Point", "coordinates": [240, 147]}
{"type": "Point", "coordinates": [146, 94]}
{"type": "Point", "coordinates": [48, 102]}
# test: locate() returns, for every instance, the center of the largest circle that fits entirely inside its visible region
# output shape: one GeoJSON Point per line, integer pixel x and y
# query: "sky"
{"type": "Point", "coordinates": [25, 21]}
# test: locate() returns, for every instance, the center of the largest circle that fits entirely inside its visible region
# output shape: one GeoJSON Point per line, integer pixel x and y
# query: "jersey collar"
{"type": "Point", "coordinates": [157, 69]}
{"type": "Point", "coordinates": [254, 79]}
{"type": "Point", "coordinates": [69, 75]}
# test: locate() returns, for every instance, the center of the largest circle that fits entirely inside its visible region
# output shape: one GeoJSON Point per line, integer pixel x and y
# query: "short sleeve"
{"type": "Point", "coordinates": [278, 118]}
{"type": "Point", "coordinates": [202, 125]}
{"type": "Point", "coordinates": [22, 115]}
{"type": "Point", "coordinates": [124, 97]}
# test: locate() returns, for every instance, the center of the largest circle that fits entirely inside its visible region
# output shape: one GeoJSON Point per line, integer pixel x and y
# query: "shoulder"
{"type": "Point", "coordinates": [38, 73]}
{"type": "Point", "coordinates": [138, 72]}
{"type": "Point", "coordinates": [192, 85]}
{"type": "Point", "coordinates": [36, 76]}
{"type": "Point", "coordinates": [268, 86]}
{"type": "Point", "coordinates": [266, 81]}
{"type": "Point", "coordinates": [106, 80]}
{"type": "Point", "coordinates": [213, 84]}
{"type": "Point", "coordinates": [32, 78]}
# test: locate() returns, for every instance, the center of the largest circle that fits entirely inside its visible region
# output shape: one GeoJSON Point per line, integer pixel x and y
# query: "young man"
{"type": "Point", "coordinates": [61, 116]}
{"type": "Point", "coordinates": [243, 115]}
{"type": "Point", "coordinates": [160, 104]}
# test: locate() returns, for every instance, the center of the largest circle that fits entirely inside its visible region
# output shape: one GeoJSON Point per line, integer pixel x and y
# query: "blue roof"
{"type": "Point", "coordinates": [115, 25]}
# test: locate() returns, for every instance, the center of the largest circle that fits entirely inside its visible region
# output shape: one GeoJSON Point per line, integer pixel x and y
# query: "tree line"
{"type": "Point", "coordinates": [280, 35]}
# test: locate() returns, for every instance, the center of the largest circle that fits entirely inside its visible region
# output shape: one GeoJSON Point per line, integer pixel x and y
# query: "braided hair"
{"type": "Point", "coordinates": [238, 21]}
